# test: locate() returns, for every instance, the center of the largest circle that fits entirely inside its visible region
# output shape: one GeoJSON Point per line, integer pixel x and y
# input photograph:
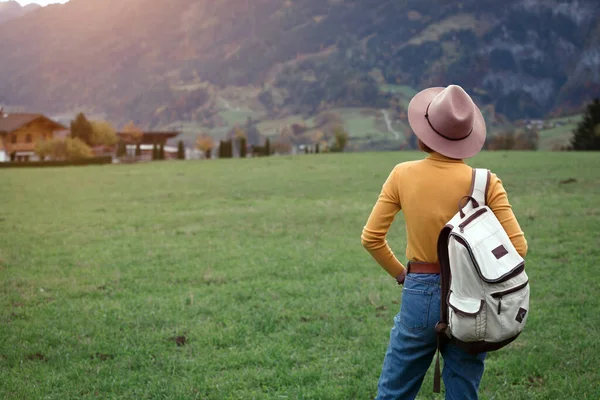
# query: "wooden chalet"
{"type": "Point", "coordinates": [20, 133]}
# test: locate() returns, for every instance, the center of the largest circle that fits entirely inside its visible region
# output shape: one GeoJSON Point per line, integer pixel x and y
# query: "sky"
{"type": "Point", "coordinates": [40, 2]}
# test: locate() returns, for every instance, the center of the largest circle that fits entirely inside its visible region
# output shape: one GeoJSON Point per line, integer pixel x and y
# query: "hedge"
{"type": "Point", "coordinates": [37, 164]}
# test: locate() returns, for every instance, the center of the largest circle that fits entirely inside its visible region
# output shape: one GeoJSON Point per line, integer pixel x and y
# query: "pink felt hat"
{"type": "Point", "coordinates": [447, 121]}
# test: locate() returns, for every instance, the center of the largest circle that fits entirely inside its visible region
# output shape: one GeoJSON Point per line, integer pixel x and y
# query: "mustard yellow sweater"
{"type": "Point", "coordinates": [428, 191]}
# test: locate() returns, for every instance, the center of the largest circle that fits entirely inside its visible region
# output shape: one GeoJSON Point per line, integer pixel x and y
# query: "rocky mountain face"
{"type": "Point", "coordinates": [136, 59]}
{"type": "Point", "coordinates": [11, 10]}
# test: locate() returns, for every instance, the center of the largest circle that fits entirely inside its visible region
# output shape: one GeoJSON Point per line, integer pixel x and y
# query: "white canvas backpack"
{"type": "Point", "coordinates": [485, 290]}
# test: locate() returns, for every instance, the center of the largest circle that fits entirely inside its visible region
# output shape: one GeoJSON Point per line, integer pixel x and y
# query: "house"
{"type": "Point", "coordinates": [20, 133]}
{"type": "Point", "coordinates": [147, 141]}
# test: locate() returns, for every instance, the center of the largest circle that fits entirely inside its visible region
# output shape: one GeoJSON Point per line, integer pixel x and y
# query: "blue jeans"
{"type": "Point", "coordinates": [413, 343]}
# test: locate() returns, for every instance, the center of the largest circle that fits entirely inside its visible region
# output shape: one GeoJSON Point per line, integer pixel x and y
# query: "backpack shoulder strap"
{"type": "Point", "coordinates": [479, 185]}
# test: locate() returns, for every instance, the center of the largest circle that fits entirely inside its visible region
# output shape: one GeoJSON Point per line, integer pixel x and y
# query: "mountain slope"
{"type": "Point", "coordinates": [141, 58]}
{"type": "Point", "coordinates": [11, 10]}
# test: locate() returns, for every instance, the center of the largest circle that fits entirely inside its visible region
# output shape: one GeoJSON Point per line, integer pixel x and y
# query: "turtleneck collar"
{"type": "Point", "coordinates": [440, 157]}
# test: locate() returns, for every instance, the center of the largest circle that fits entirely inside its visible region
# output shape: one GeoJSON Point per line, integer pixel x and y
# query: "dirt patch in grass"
{"type": "Point", "coordinates": [36, 357]}
{"type": "Point", "coordinates": [102, 357]}
{"type": "Point", "coordinates": [179, 340]}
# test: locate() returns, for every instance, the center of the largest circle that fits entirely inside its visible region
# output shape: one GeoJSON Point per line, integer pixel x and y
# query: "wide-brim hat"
{"type": "Point", "coordinates": [447, 121]}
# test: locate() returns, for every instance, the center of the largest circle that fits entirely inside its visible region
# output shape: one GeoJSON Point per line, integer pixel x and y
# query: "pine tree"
{"type": "Point", "coordinates": [82, 128]}
{"type": "Point", "coordinates": [242, 147]}
{"type": "Point", "coordinates": [121, 149]}
{"type": "Point", "coordinates": [587, 134]}
{"type": "Point", "coordinates": [180, 151]}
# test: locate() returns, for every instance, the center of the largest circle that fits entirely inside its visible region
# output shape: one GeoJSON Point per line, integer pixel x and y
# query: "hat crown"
{"type": "Point", "coordinates": [452, 113]}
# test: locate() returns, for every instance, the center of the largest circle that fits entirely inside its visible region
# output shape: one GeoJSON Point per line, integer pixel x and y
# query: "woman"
{"type": "Point", "coordinates": [450, 128]}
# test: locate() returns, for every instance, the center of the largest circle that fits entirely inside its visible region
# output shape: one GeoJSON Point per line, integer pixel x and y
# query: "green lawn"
{"type": "Point", "coordinates": [560, 135]}
{"type": "Point", "coordinates": [256, 265]}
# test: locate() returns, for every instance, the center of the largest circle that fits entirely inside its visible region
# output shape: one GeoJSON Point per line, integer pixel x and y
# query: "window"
{"type": "Point", "coordinates": [28, 138]}
{"type": "Point", "coordinates": [13, 139]}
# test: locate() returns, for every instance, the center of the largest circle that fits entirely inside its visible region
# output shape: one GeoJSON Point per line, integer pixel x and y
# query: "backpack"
{"type": "Point", "coordinates": [484, 287]}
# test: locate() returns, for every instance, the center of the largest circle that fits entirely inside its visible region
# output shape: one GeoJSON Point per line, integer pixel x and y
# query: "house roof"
{"type": "Point", "coordinates": [11, 122]}
{"type": "Point", "coordinates": [150, 137]}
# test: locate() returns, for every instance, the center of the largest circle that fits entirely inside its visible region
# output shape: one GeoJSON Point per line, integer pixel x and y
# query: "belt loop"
{"type": "Point", "coordinates": [408, 267]}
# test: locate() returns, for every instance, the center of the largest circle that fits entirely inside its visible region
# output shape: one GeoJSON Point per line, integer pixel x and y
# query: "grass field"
{"type": "Point", "coordinates": [560, 135]}
{"type": "Point", "coordinates": [245, 279]}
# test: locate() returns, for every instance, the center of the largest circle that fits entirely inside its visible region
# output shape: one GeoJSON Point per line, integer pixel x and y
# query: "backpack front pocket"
{"type": "Point", "coordinates": [466, 317]}
{"type": "Point", "coordinates": [511, 308]}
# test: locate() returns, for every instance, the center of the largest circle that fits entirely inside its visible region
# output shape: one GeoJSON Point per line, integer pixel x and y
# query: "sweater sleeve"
{"type": "Point", "coordinates": [374, 233]}
{"type": "Point", "coordinates": [497, 200]}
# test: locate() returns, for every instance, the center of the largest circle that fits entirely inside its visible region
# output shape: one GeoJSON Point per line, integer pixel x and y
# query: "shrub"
{"type": "Point", "coordinates": [180, 151]}
{"type": "Point", "coordinates": [341, 139]}
{"type": "Point", "coordinates": [103, 134]}
{"type": "Point", "coordinates": [205, 143]}
{"type": "Point", "coordinates": [76, 149]}
{"type": "Point", "coordinates": [587, 134]}
{"type": "Point", "coordinates": [121, 149]}
{"type": "Point", "coordinates": [242, 147]}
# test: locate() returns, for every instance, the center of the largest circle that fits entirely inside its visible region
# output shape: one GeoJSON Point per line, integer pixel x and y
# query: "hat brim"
{"type": "Point", "coordinates": [458, 149]}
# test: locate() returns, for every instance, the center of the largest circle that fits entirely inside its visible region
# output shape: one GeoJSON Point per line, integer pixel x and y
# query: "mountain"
{"type": "Point", "coordinates": [11, 10]}
{"type": "Point", "coordinates": [161, 61]}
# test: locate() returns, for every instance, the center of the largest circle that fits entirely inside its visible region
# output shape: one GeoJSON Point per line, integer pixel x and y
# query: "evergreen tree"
{"type": "Point", "coordinates": [587, 134]}
{"type": "Point", "coordinates": [121, 149]}
{"type": "Point", "coordinates": [180, 151]}
{"type": "Point", "coordinates": [82, 128]}
{"type": "Point", "coordinates": [242, 147]}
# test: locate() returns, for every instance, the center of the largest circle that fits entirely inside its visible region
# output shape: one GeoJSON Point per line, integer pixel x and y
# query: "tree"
{"type": "Point", "coordinates": [180, 151]}
{"type": "Point", "coordinates": [341, 139]}
{"type": "Point", "coordinates": [42, 149]}
{"type": "Point", "coordinates": [243, 149]}
{"type": "Point", "coordinates": [205, 143]}
{"type": "Point", "coordinates": [132, 134]}
{"type": "Point", "coordinates": [82, 129]}
{"type": "Point", "coordinates": [76, 149]}
{"type": "Point", "coordinates": [64, 149]}
{"type": "Point", "coordinates": [587, 134]}
{"type": "Point", "coordinates": [121, 149]}
{"type": "Point", "coordinates": [103, 133]}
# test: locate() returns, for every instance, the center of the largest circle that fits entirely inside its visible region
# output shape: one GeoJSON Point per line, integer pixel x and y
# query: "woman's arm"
{"type": "Point", "coordinates": [374, 233]}
{"type": "Point", "coordinates": [497, 200]}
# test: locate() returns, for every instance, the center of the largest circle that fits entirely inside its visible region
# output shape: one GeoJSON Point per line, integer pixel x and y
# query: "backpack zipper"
{"type": "Point", "coordinates": [471, 219]}
{"type": "Point", "coordinates": [516, 271]}
{"type": "Point", "coordinates": [499, 295]}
